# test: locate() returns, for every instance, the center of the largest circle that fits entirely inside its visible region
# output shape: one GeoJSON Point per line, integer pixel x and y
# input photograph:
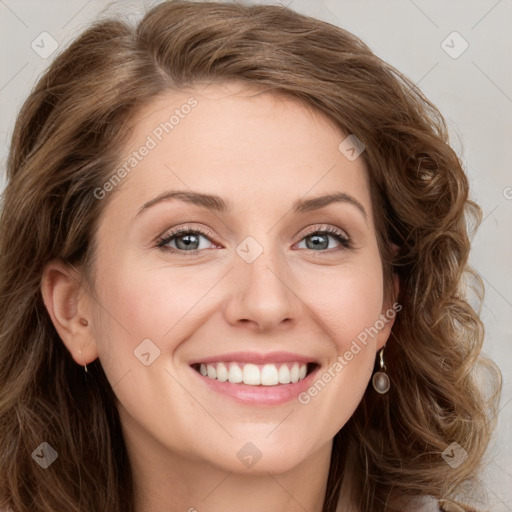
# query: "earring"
{"type": "Point", "coordinates": [380, 379]}
{"type": "Point", "coordinates": [85, 364]}
{"type": "Point", "coordinates": [84, 322]}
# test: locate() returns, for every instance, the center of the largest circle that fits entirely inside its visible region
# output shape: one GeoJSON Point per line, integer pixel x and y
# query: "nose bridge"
{"type": "Point", "coordinates": [262, 285]}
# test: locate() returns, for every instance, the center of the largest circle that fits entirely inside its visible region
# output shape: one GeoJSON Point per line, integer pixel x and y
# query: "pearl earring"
{"type": "Point", "coordinates": [380, 379]}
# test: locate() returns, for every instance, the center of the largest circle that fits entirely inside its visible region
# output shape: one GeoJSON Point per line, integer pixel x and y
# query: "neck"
{"type": "Point", "coordinates": [219, 491]}
{"type": "Point", "coordinates": [166, 480]}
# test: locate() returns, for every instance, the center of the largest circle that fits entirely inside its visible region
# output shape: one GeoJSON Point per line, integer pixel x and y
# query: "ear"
{"type": "Point", "coordinates": [388, 315]}
{"type": "Point", "coordinates": [69, 307]}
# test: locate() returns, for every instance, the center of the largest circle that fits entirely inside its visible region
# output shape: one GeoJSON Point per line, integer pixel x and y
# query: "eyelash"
{"type": "Point", "coordinates": [345, 242]}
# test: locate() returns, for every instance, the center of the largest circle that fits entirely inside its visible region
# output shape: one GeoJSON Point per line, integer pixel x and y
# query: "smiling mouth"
{"type": "Point", "coordinates": [256, 374]}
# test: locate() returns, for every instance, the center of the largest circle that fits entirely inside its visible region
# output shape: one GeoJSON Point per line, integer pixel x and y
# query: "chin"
{"type": "Point", "coordinates": [261, 457]}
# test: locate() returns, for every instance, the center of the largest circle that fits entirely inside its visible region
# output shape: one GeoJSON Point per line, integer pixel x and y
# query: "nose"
{"type": "Point", "coordinates": [263, 293]}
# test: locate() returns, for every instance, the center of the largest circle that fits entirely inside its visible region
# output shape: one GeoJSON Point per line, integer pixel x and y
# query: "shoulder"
{"type": "Point", "coordinates": [416, 504]}
{"type": "Point", "coordinates": [431, 504]}
{"type": "Point", "coordinates": [423, 504]}
{"type": "Point", "coordinates": [412, 504]}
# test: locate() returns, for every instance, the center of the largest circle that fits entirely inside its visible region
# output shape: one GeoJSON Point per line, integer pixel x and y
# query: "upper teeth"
{"type": "Point", "coordinates": [253, 374]}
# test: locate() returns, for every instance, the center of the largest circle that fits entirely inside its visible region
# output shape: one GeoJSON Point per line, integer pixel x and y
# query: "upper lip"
{"type": "Point", "coordinates": [256, 358]}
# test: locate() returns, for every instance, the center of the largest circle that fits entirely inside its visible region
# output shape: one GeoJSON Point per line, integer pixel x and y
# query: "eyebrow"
{"type": "Point", "coordinates": [216, 203]}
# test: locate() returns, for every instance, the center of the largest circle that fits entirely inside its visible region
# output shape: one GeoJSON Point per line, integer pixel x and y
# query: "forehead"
{"type": "Point", "coordinates": [240, 142]}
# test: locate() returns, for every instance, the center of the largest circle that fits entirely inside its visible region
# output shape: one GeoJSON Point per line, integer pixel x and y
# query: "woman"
{"type": "Point", "coordinates": [234, 246]}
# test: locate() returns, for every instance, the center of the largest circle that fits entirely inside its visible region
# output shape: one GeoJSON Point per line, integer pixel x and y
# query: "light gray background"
{"type": "Point", "coordinates": [473, 91]}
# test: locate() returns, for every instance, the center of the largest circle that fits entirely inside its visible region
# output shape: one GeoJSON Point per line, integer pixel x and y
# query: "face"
{"type": "Point", "coordinates": [259, 284]}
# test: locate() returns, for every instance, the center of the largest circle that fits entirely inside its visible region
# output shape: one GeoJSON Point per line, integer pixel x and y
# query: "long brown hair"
{"type": "Point", "coordinates": [67, 141]}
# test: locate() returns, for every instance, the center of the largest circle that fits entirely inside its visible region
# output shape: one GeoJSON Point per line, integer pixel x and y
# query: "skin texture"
{"type": "Point", "coordinates": [260, 152]}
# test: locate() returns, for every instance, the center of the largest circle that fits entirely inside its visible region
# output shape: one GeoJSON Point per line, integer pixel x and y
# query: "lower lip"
{"type": "Point", "coordinates": [260, 395]}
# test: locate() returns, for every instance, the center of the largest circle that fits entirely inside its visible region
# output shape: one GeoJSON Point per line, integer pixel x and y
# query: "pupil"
{"type": "Point", "coordinates": [187, 241]}
{"type": "Point", "coordinates": [316, 242]}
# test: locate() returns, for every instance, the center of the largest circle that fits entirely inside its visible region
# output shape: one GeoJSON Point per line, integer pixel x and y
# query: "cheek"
{"type": "Point", "coordinates": [347, 301]}
{"type": "Point", "coordinates": [142, 301]}
{"type": "Point", "coordinates": [348, 304]}
{"type": "Point", "coordinates": [157, 302]}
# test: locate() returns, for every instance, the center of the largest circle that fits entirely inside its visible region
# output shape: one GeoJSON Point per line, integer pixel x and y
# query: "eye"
{"type": "Point", "coordinates": [185, 240]}
{"type": "Point", "coordinates": [319, 240]}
